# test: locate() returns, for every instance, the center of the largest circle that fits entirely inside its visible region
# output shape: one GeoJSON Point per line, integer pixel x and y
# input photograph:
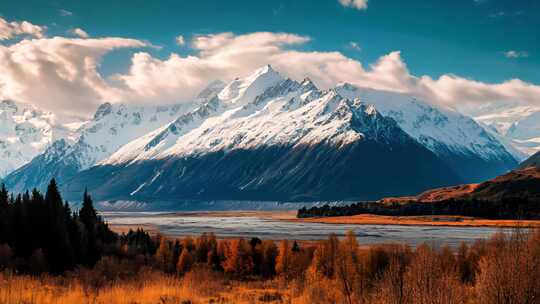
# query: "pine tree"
{"type": "Point", "coordinates": [88, 217]}
{"type": "Point", "coordinates": [4, 197]}
{"type": "Point", "coordinates": [88, 214]}
{"type": "Point", "coordinates": [57, 248]}
{"type": "Point", "coordinates": [4, 209]}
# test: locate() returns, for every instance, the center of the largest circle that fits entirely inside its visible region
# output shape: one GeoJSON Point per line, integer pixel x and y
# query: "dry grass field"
{"type": "Point", "coordinates": [428, 220]}
{"type": "Point", "coordinates": [147, 288]}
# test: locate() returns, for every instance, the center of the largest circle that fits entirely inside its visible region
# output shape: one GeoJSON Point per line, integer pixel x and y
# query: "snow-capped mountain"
{"type": "Point", "coordinates": [268, 137]}
{"type": "Point", "coordinates": [112, 126]}
{"type": "Point", "coordinates": [519, 126]}
{"type": "Point", "coordinates": [240, 100]}
{"type": "Point", "coordinates": [26, 131]}
{"type": "Point", "coordinates": [464, 144]}
{"type": "Point", "coordinates": [265, 137]}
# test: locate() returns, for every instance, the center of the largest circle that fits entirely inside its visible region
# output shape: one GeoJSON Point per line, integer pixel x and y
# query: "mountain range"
{"type": "Point", "coordinates": [267, 137]}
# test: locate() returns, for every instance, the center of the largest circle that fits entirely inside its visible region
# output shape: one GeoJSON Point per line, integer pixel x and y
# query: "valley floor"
{"type": "Point", "coordinates": [362, 219]}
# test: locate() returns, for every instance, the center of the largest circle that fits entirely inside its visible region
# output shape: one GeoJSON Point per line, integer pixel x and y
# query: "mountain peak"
{"type": "Point", "coordinates": [242, 90]}
{"type": "Point", "coordinates": [307, 83]}
{"type": "Point", "coordinates": [267, 69]}
{"type": "Point", "coordinates": [103, 110]}
{"type": "Point", "coordinates": [346, 86]}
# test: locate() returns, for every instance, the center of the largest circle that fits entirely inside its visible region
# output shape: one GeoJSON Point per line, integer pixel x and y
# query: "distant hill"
{"type": "Point", "coordinates": [514, 195]}
{"type": "Point", "coordinates": [521, 183]}
{"type": "Point", "coordinates": [533, 161]}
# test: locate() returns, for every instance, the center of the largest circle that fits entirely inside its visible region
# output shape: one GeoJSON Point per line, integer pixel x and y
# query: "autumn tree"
{"type": "Point", "coordinates": [510, 270]}
{"type": "Point", "coordinates": [283, 260]}
{"type": "Point", "coordinates": [164, 255]}
{"type": "Point", "coordinates": [269, 254]}
{"type": "Point", "coordinates": [185, 262]}
{"type": "Point", "coordinates": [427, 282]}
{"type": "Point", "coordinates": [238, 260]}
{"type": "Point", "coordinates": [346, 266]}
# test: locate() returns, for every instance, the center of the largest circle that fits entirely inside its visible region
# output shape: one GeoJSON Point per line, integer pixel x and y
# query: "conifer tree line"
{"type": "Point", "coordinates": [41, 233]}
{"type": "Point", "coordinates": [504, 208]}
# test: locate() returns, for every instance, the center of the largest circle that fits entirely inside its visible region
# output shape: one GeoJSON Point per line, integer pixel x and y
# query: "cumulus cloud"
{"type": "Point", "coordinates": [9, 30]}
{"type": "Point", "coordinates": [357, 4]}
{"type": "Point", "coordinates": [226, 56]}
{"type": "Point", "coordinates": [80, 32]}
{"type": "Point", "coordinates": [218, 56]}
{"type": "Point", "coordinates": [516, 54]}
{"type": "Point", "coordinates": [59, 74]}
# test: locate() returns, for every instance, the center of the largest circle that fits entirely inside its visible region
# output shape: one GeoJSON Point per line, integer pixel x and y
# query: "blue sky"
{"type": "Point", "coordinates": [464, 37]}
{"type": "Point", "coordinates": [468, 54]}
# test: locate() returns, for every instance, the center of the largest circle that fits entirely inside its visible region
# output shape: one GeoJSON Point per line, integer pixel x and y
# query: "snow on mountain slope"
{"type": "Point", "coordinates": [26, 131]}
{"type": "Point", "coordinates": [518, 125]}
{"type": "Point", "coordinates": [232, 101]}
{"type": "Point", "coordinates": [115, 125]}
{"type": "Point", "coordinates": [430, 125]}
{"type": "Point", "coordinates": [447, 133]}
{"type": "Point", "coordinates": [112, 126]}
{"type": "Point", "coordinates": [243, 90]}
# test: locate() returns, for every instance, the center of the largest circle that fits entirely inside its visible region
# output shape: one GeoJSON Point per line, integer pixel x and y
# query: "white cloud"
{"type": "Point", "coordinates": [12, 29]}
{"type": "Point", "coordinates": [357, 4]}
{"type": "Point", "coordinates": [220, 56]}
{"type": "Point", "coordinates": [226, 56]}
{"type": "Point", "coordinates": [59, 74]}
{"type": "Point", "coordinates": [516, 54]}
{"type": "Point", "coordinates": [180, 40]}
{"type": "Point", "coordinates": [80, 32]}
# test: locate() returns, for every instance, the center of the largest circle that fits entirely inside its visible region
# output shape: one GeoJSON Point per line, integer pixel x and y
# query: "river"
{"type": "Point", "coordinates": [226, 226]}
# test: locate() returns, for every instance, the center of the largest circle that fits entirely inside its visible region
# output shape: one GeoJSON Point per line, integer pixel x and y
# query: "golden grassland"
{"type": "Point", "coordinates": [428, 220]}
{"type": "Point", "coordinates": [147, 288]}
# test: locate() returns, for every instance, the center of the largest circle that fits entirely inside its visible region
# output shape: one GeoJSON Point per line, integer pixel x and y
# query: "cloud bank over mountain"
{"type": "Point", "coordinates": [63, 75]}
